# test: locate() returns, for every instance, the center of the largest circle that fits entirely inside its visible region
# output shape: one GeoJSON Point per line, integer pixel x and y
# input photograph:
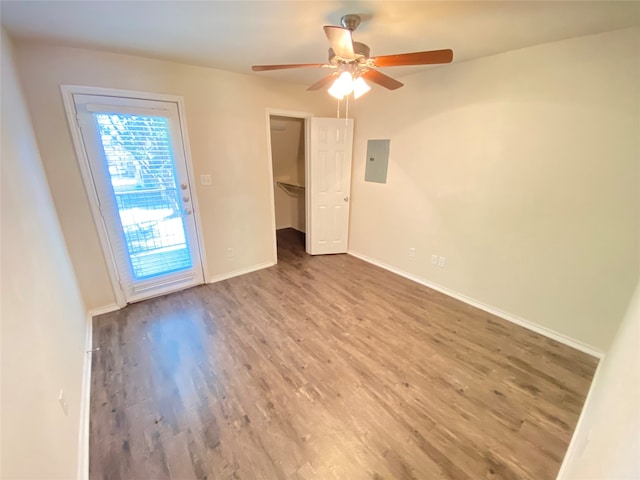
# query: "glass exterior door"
{"type": "Point", "coordinates": [137, 162]}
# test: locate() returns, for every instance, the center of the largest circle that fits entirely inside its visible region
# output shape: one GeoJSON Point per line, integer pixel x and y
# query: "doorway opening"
{"type": "Point", "coordinates": [288, 159]}
{"type": "Point", "coordinates": [310, 162]}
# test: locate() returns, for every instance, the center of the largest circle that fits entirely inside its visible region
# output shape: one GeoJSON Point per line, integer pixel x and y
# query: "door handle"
{"type": "Point", "coordinates": [346, 199]}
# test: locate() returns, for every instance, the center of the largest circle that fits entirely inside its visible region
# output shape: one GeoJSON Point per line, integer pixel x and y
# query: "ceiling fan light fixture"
{"type": "Point", "coordinates": [360, 87]}
{"type": "Point", "coordinates": [342, 86]}
{"type": "Point", "coordinates": [336, 91]}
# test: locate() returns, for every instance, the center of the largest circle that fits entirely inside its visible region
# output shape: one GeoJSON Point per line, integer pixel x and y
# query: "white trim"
{"type": "Point", "coordinates": [85, 404]}
{"type": "Point", "coordinates": [83, 162]}
{"type": "Point", "coordinates": [547, 332]}
{"type": "Point", "coordinates": [308, 218]}
{"type": "Point", "coordinates": [281, 227]}
{"type": "Point", "coordinates": [87, 180]}
{"type": "Point", "coordinates": [182, 115]}
{"type": "Point", "coordinates": [167, 288]}
{"type": "Point", "coordinates": [241, 271]}
{"type": "Point", "coordinates": [180, 281]}
{"type": "Point", "coordinates": [102, 310]}
{"type": "Point", "coordinates": [116, 92]}
{"type": "Point", "coordinates": [292, 114]}
{"type": "Point", "coordinates": [575, 447]}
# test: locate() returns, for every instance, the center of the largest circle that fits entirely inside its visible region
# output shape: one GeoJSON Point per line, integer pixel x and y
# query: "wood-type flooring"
{"type": "Point", "coordinates": [327, 368]}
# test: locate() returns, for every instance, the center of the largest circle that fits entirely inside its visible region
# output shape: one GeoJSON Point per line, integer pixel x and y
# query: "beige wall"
{"type": "Point", "coordinates": [43, 317]}
{"type": "Point", "coordinates": [226, 121]}
{"type": "Point", "coordinates": [522, 170]}
{"type": "Point", "coordinates": [287, 153]}
{"type": "Point", "coordinates": [606, 443]}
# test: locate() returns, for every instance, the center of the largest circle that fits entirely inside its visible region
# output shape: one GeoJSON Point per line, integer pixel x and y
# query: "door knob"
{"type": "Point", "coordinates": [346, 199]}
{"type": "Point", "coordinates": [183, 186]}
{"type": "Point", "coordinates": [185, 198]}
{"type": "Point", "coordinates": [187, 211]}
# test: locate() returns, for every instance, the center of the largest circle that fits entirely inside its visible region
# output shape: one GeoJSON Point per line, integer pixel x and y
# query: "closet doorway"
{"type": "Point", "coordinates": [310, 160]}
{"type": "Point", "coordinates": [288, 139]}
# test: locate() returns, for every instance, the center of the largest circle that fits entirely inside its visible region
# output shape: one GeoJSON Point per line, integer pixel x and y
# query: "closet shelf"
{"type": "Point", "coordinates": [291, 188]}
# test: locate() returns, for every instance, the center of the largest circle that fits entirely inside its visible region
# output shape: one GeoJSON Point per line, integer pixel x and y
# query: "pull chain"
{"type": "Point", "coordinates": [346, 113]}
{"type": "Point", "coordinates": [338, 113]}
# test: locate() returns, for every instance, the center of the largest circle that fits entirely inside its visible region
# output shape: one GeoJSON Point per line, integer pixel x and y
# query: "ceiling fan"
{"type": "Point", "coordinates": [351, 63]}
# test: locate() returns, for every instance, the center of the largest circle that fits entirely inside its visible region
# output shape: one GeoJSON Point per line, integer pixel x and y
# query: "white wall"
{"type": "Point", "coordinates": [43, 317]}
{"type": "Point", "coordinates": [522, 170]}
{"type": "Point", "coordinates": [606, 443]}
{"type": "Point", "coordinates": [287, 153]}
{"type": "Point", "coordinates": [226, 121]}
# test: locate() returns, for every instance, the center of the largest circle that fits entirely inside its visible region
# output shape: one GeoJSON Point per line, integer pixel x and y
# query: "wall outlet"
{"type": "Point", "coordinates": [63, 402]}
{"type": "Point", "coordinates": [442, 261]}
{"type": "Point", "coordinates": [229, 252]}
{"type": "Point", "coordinates": [205, 179]}
{"type": "Point", "coordinates": [412, 252]}
{"type": "Point", "coordinates": [434, 259]}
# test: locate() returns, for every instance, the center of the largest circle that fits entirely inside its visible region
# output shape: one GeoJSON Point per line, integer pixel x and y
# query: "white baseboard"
{"type": "Point", "coordinates": [242, 271]}
{"type": "Point", "coordinates": [559, 337]}
{"type": "Point", "coordinates": [101, 310]}
{"type": "Point", "coordinates": [85, 405]}
{"type": "Point", "coordinates": [291, 226]}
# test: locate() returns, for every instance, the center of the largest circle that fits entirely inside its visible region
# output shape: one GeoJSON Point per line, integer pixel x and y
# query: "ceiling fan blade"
{"type": "Point", "coordinates": [340, 40]}
{"type": "Point", "coordinates": [417, 58]}
{"type": "Point", "coordinates": [262, 68]}
{"type": "Point", "coordinates": [381, 79]}
{"type": "Point", "coordinates": [323, 81]}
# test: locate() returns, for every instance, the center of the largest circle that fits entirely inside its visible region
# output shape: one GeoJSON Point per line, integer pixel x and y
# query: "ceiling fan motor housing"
{"type": "Point", "coordinates": [361, 51]}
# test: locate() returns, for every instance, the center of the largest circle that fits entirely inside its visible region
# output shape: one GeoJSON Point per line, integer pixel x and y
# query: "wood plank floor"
{"type": "Point", "coordinates": [327, 368]}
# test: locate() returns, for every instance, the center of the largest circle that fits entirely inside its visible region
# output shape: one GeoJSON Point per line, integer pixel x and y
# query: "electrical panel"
{"type": "Point", "coordinates": [377, 161]}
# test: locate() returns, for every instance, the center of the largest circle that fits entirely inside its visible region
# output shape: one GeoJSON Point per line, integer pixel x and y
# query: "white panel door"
{"type": "Point", "coordinates": [329, 184]}
{"type": "Point", "coordinates": [139, 171]}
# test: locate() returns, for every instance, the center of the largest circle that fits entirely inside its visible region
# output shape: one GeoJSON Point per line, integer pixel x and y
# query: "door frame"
{"type": "Point", "coordinates": [87, 179]}
{"type": "Point", "coordinates": [307, 132]}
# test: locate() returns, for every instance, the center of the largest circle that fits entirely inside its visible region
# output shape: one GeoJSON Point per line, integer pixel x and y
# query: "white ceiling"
{"type": "Point", "coordinates": [233, 35]}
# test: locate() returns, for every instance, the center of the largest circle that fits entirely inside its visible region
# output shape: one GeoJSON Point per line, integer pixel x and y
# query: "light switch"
{"type": "Point", "coordinates": [205, 179]}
